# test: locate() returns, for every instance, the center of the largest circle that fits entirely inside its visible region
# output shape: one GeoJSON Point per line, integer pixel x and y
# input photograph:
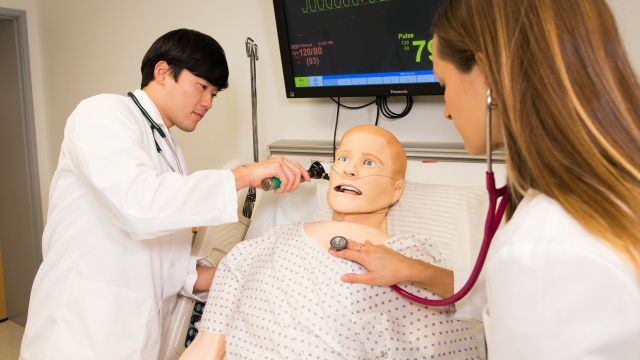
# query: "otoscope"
{"type": "Point", "coordinates": [316, 171]}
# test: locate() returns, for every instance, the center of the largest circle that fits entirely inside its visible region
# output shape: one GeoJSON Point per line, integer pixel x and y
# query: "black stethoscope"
{"type": "Point", "coordinates": [155, 127]}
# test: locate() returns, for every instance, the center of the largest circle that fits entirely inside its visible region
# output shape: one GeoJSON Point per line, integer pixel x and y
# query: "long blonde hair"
{"type": "Point", "coordinates": [568, 102]}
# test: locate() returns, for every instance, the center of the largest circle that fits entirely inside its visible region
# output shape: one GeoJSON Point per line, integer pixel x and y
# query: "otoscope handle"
{"type": "Point", "coordinates": [272, 183]}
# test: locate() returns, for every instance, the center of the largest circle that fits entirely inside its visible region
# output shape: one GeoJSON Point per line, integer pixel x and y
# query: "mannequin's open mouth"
{"type": "Point", "coordinates": [346, 189]}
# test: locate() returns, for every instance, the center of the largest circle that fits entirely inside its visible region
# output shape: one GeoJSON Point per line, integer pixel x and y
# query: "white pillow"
{"type": "Point", "coordinates": [273, 209]}
{"type": "Point", "coordinates": [453, 173]}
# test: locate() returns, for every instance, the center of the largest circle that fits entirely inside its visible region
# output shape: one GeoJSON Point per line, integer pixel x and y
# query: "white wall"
{"type": "Point", "coordinates": [89, 47]}
{"type": "Point", "coordinates": [627, 13]}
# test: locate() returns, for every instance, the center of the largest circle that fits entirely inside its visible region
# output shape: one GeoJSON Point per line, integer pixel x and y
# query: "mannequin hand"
{"type": "Point", "coordinates": [385, 267]}
{"type": "Point", "coordinates": [205, 278]}
{"type": "Point", "coordinates": [289, 172]}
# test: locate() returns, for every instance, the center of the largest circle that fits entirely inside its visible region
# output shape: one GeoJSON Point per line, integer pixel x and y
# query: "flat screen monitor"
{"type": "Point", "coordinates": [356, 47]}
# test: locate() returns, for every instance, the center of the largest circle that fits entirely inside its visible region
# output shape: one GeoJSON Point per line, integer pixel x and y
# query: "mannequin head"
{"type": "Point", "coordinates": [368, 173]}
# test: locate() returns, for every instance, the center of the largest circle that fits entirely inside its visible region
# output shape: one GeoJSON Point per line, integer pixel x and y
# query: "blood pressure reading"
{"type": "Point", "coordinates": [310, 54]}
{"type": "Point", "coordinates": [360, 42]}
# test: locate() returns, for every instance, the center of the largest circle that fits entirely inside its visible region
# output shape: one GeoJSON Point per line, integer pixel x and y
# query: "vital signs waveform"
{"type": "Point", "coordinates": [317, 6]}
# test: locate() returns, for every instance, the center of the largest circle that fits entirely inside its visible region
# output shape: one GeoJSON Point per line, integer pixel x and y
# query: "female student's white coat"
{"type": "Point", "coordinates": [113, 260]}
{"type": "Point", "coordinates": [555, 291]}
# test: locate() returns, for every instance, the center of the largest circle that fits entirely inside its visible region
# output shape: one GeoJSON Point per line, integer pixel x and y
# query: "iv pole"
{"type": "Point", "coordinates": [252, 53]}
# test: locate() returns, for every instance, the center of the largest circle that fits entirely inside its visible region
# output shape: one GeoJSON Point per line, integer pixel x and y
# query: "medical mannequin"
{"type": "Point", "coordinates": [287, 300]}
{"type": "Point", "coordinates": [563, 274]}
{"type": "Point", "coordinates": [117, 241]}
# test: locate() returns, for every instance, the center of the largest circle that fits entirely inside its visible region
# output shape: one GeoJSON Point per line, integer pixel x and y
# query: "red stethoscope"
{"type": "Point", "coordinates": [494, 217]}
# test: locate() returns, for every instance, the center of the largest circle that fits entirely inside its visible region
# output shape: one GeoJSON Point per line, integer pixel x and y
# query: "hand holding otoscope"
{"type": "Point", "coordinates": [288, 172]}
{"type": "Point", "coordinates": [316, 171]}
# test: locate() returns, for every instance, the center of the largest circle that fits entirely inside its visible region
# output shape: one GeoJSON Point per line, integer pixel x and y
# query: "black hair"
{"type": "Point", "coordinates": [187, 49]}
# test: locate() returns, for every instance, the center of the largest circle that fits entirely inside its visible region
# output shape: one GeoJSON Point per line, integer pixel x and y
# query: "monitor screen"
{"type": "Point", "coordinates": [356, 47]}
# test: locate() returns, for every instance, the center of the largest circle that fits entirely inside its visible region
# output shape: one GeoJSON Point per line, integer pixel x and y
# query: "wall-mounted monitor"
{"type": "Point", "coordinates": [356, 47]}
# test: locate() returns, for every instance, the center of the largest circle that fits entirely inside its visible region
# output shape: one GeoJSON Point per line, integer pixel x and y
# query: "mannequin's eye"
{"type": "Point", "coordinates": [343, 159]}
{"type": "Point", "coordinates": [369, 163]}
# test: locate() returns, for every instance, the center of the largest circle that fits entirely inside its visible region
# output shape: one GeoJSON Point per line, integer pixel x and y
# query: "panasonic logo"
{"type": "Point", "coordinates": [399, 91]}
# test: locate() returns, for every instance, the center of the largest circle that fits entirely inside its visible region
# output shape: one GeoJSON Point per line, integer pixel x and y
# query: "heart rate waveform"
{"type": "Point", "coordinates": [317, 6]}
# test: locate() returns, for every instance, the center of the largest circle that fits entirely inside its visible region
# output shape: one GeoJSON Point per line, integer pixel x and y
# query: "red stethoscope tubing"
{"type": "Point", "coordinates": [494, 217]}
{"type": "Point", "coordinates": [492, 222]}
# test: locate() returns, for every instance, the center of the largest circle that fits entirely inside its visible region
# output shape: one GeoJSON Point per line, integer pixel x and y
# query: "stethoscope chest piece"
{"type": "Point", "coordinates": [338, 243]}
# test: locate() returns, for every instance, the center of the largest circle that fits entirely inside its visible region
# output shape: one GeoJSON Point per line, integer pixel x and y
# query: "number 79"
{"type": "Point", "coordinates": [420, 44]}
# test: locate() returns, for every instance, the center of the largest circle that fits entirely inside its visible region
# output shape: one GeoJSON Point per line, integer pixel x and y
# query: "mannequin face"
{"type": "Point", "coordinates": [368, 172]}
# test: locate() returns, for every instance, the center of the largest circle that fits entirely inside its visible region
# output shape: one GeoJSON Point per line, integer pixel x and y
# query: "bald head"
{"type": "Point", "coordinates": [388, 147]}
{"type": "Point", "coordinates": [367, 177]}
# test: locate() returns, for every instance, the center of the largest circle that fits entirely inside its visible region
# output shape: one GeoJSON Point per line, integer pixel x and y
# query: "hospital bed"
{"type": "Point", "coordinates": [444, 198]}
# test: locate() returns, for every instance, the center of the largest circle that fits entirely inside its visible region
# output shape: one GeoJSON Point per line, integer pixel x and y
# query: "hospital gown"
{"type": "Point", "coordinates": [279, 296]}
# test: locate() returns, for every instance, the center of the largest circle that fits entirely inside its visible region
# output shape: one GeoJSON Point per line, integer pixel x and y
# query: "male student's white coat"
{"type": "Point", "coordinates": [113, 258]}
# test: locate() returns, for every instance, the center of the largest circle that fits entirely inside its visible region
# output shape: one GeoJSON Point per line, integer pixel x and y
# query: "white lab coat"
{"type": "Point", "coordinates": [117, 242]}
{"type": "Point", "coordinates": [554, 291]}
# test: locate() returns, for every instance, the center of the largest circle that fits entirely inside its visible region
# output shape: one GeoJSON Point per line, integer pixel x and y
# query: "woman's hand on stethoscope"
{"type": "Point", "coordinates": [385, 267]}
{"type": "Point", "coordinates": [290, 174]}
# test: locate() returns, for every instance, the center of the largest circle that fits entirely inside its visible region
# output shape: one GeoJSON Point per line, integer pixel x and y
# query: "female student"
{"type": "Point", "coordinates": [562, 277]}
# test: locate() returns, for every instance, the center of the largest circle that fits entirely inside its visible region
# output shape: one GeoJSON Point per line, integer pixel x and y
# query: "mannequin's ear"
{"type": "Point", "coordinates": [398, 189]}
{"type": "Point", "coordinates": [161, 72]}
